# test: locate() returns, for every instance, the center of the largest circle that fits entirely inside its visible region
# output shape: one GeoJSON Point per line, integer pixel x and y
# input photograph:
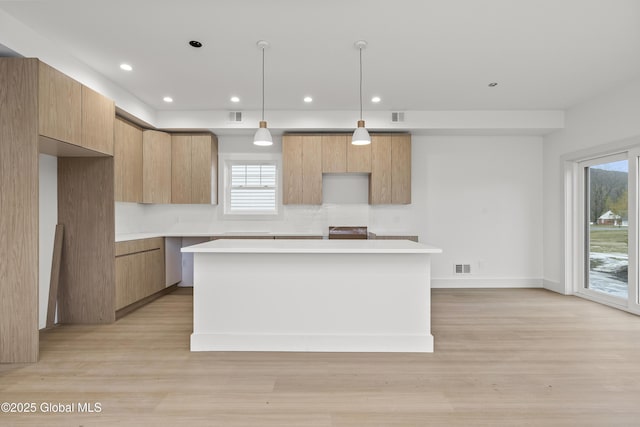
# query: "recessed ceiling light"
{"type": "Point", "coordinates": [235, 99]}
{"type": "Point", "coordinates": [375, 99]}
{"type": "Point", "coordinates": [167, 99]}
{"type": "Point", "coordinates": [493, 84]}
{"type": "Point", "coordinates": [126, 67]}
{"type": "Point", "coordinates": [195, 43]}
{"type": "Point", "coordinates": [308, 99]}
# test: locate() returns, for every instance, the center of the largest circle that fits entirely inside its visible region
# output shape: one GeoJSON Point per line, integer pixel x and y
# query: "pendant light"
{"type": "Point", "coordinates": [263, 136]}
{"type": "Point", "coordinates": [360, 135]}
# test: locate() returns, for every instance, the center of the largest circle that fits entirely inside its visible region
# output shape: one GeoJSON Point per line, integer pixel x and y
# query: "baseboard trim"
{"type": "Point", "coordinates": [485, 282]}
{"type": "Point", "coordinates": [416, 343]}
{"type": "Point", "coordinates": [144, 301]}
{"type": "Point", "coordinates": [553, 286]}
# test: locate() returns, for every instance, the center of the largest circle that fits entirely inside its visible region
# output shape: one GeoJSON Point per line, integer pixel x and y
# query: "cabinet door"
{"type": "Point", "coordinates": [334, 153]}
{"type": "Point", "coordinates": [59, 106]}
{"type": "Point", "coordinates": [401, 169]}
{"type": "Point", "coordinates": [129, 277]}
{"type": "Point", "coordinates": [127, 162]}
{"type": "Point", "coordinates": [214, 169]}
{"type": "Point", "coordinates": [180, 169]}
{"type": "Point", "coordinates": [201, 168]}
{"type": "Point", "coordinates": [312, 170]}
{"type": "Point", "coordinates": [98, 115]}
{"type": "Point", "coordinates": [156, 167]}
{"type": "Point", "coordinates": [291, 169]}
{"type": "Point", "coordinates": [358, 158]}
{"type": "Point", "coordinates": [380, 181]}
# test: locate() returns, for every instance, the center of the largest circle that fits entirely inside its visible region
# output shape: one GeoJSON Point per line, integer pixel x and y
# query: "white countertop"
{"type": "Point", "coordinates": [137, 236]}
{"type": "Point", "coordinates": [312, 246]}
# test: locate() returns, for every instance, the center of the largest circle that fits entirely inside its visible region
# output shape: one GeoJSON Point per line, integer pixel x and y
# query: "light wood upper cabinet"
{"type": "Point", "coordinates": [312, 170]}
{"type": "Point", "coordinates": [340, 156]}
{"type": "Point", "coordinates": [194, 168]}
{"type": "Point", "coordinates": [204, 169]}
{"type": "Point", "coordinates": [302, 169]}
{"type": "Point", "coordinates": [358, 157]}
{"type": "Point", "coordinates": [156, 167]}
{"type": "Point", "coordinates": [98, 115]}
{"type": "Point", "coordinates": [390, 181]}
{"type": "Point", "coordinates": [72, 113]}
{"type": "Point", "coordinates": [380, 181]}
{"type": "Point", "coordinates": [291, 169]}
{"type": "Point", "coordinates": [59, 106]}
{"type": "Point", "coordinates": [127, 162]}
{"type": "Point", "coordinates": [334, 153]}
{"type": "Point", "coordinates": [401, 169]}
{"type": "Point", "coordinates": [180, 169]}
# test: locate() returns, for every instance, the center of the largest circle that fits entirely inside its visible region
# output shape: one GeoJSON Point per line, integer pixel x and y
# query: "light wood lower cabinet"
{"type": "Point", "coordinates": [140, 270]}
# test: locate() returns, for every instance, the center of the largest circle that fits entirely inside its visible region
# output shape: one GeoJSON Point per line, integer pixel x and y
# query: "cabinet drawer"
{"type": "Point", "coordinates": [141, 245]}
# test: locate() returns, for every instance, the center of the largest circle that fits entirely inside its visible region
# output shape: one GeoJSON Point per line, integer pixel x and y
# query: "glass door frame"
{"type": "Point", "coordinates": [581, 219]}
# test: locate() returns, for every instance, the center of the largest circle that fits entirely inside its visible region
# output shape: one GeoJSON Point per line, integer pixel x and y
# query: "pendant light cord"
{"type": "Point", "coordinates": [263, 84]}
{"type": "Point", "coordinates": [360, 83]}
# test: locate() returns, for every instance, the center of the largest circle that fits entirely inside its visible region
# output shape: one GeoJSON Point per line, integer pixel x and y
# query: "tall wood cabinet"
{"type": "Point", "coordinates": [19, 206]}
{"type": "Point", "coordinates": [43, 111]}
{"type": "Point", "coordinates": [194, 159]}
{"type": "Point", "coordinates": [127, 162]}
{"type": "Point", "coordinates": [390, 181]}
{"type": "Point", "coordinates": [302, 169]}
{"type": "Point", "coordinates": [156, 167]}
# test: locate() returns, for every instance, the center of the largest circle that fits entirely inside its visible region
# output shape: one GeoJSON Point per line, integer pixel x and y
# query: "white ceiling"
{"type": "Point", "coordinates": [422, 54]}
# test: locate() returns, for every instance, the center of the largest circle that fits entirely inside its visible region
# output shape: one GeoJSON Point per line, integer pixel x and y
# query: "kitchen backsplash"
{"type": "Point", "coordinates": [138, 218]}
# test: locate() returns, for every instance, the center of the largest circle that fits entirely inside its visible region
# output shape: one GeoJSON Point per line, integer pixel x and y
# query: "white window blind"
{"type": "Point", "coordinates": [253, 188]}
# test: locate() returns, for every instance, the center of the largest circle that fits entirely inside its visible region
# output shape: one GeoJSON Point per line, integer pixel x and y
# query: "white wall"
{"type": "Point", "coordinates": [477, 197]}
{"type": "Point", "coordinates": [480, 200]}
{"type": "Point", "coordinates": [601, 121]}
{"type": "Point", "coordinates": [48, 218]}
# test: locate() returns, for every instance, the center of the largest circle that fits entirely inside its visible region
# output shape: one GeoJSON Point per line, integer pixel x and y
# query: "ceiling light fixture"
{"type": "Point", "coordinates": [263, 136]}
{"type": "Point", "coordinates": [167, 99]}
{"type": "Point", "coordinates": [235, 99]}
{"type": "Point", "coordinates": [308, 99]}
{"type": "Point", "coordinates": [126, 67]}
{"type": "Point", "coordinates": [375, 99]}
{"type": "Point", "coordinates": [360, 135]}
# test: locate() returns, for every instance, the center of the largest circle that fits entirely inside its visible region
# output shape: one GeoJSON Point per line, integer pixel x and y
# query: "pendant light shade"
{"type": "Point", "coordinates": [263, 136]}
{"type": "Point", "coordinates": [361, 135]}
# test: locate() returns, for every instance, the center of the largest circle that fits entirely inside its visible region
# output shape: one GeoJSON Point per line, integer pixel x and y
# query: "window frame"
{"type": "Point", "coordinates": [226, 161]}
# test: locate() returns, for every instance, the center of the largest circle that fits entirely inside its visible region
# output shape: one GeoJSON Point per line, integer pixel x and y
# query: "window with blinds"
{"type": "Point", "coordinates": [253, 188]}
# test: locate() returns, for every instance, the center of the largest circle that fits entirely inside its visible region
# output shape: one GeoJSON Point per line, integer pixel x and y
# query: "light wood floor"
{"type": "Point", "coordinates": [503, 357]}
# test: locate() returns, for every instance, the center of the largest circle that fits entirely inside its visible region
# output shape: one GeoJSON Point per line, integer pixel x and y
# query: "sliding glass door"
{"type": "Point", "coordinates": [607, 226]}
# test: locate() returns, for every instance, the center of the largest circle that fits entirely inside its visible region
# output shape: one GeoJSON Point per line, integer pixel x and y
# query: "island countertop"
{"type": "Point", "coordinates": [337, 246]}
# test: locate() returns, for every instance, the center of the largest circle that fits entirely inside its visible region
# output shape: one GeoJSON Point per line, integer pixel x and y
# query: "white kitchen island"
{"type": "Point", "coordinates": [312, 295]}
